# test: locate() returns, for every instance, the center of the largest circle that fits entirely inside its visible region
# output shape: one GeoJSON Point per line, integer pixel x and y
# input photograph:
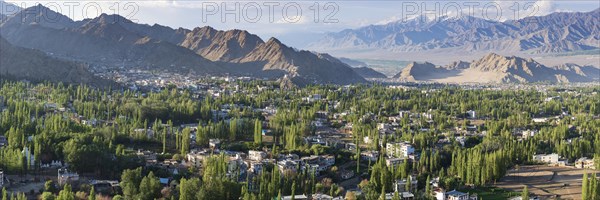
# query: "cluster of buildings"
{"type": "Point", "coordinates": [454, 195]}
{"type": "Point", "coordinates": [254, 162]}
{"type": "Point", "coordinates": [585, 163]}
{"type": "Point", "coordinates": [399, 149]}
{"type": "Point", "coordinates": [550, 159]}
{"type": "Point", "coordinates": [555, 160]}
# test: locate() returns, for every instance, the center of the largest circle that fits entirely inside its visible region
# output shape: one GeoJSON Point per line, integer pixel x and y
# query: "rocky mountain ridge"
{"type": "Point", "coordinates": [494, 68]}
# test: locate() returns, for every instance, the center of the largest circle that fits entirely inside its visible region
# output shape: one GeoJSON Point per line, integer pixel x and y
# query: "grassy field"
{"type": "Point", "coordinates": [491, 193]}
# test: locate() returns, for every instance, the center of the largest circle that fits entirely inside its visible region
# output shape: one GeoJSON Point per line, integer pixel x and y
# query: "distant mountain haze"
{"type": "Point", "coordinates": [553, 33]}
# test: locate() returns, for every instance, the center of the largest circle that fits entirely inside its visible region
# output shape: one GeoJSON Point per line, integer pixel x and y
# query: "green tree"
{"type": "Point", "coordinates": [585, 187]}
{"type": "Point", "coordinates": [428, 187]}
{"type": "Point", "coordinates": [92, 195]}
{"type": "Point", "coordinates": [408, 183]}
{"type": "Point", "coordinates": [47, 196]}
{"type": "Point", "coordinates": [49, 186]}
{"type": "Point", "coordinates": [257, 132]}
{"type": "Point", "coordinates": [66, 193]}
{"type": "Point", "coordinates": [4, 194]}
{"type": "Point", "coordinates": [130, 182]}
{"type": "Point", "coordinates": [185, 141]}
{"type": "Point", "coordinates": [150, 187]}
{"type": "Point", "coordinates": [594, 188]}
{"type": "Point", "coordinates": [294, 190]}
{"type": "Point", "coordinates": [188, 188]}
{"type": "Point", "coordinates": [525, 193]}
{"type": "Point", "coordinates": [164, 140]}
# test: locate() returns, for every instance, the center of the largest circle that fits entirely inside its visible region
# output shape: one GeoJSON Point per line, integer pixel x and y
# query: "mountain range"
{"type": "Point", "coordinates": [112, 40]}
{"type": "Point", "coordinates": [22, 63]}
{"type": "Point", "coordinates": [494, 68]}
{"type": "Point", "coordinates": [40, 44]}
{"type": "Point", "coordinates": [553, 33]}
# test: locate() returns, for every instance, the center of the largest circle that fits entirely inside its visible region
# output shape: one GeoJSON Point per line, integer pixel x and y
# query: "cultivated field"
{"type": "Point", "coordinates": [545, 181]}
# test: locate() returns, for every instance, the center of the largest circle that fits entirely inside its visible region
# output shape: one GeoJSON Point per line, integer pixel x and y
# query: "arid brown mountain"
{"type": "Point", "coordinates": [99, 41]}
{"type": "Point", "coordinates": [21, 63]}
{"type": "Point", "coordinates": [114, 40]}
{"type": "Point", "coordinates": [557, 32]}
{"type": "Point", "coordinates": [494, 68]}
{"type": "Point", "coordinates": [312, 67]}
{"type": "Point", "coordinates": [419, 71]}
{"type": "Point", "coordinates": [215, 45]}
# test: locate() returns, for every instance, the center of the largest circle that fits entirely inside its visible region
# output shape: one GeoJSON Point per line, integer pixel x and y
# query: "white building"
{"type": "Point", "coordinates": [393, 162]}
{"type": "Point", "coordinates": [257, 155]}
{"type": "Point", "coordinates": [1, 178]}
{"type": "Point", "coordinates": [585, 163]}
{"type": "Point", "coordinates": [546, 158]}
{"type": "Point", "coordinates": [528, 133]}
{"type": "Point", "coordinates": [214, 143]}
{"type": "Point", "coordinates": [400, 185]}
{"type": "Point", "coordinates": [454, 195]}
{"type": "Point", "coordinates": [399, 149]}
{"type": "Point", "coordinates": [369, 155]}
{"type": "Point", "coordinates": [64, 177]}
{"type": "Point", "coordinates": [296, 197]}
{"type": "Point", "coordinates": [367, 140]}
{"type": "Point", "coordinates": [461, 140]}
{"type": "Point", "coordinates": [383, 126]}
{"type": "Point", "coordinates": [287, 165]}
{"type": "Point", "coordinates": [471, 114]}
{"type": "Point", "coordinates": [403, 114]}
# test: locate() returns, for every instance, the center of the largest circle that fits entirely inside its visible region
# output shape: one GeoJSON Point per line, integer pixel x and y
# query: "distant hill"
{"type": "Point", "coordinates": [113, 40]}
{"type": "Point", "coordinates": [367, 72]}
{"type": "Point", "coordinates": [362, 68]}
{"type": "Point", "coordinates": [556, 32]}
{"type": "Point", "coordinates": [494, 68]}
{"type": "Point", "coordinates": [21, 63]}
{"type": "Point", "coordinates": [99, 41]}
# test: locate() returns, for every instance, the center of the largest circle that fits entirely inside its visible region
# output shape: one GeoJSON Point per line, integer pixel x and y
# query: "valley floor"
{"type": "Point", "coordinates": [547, 182]}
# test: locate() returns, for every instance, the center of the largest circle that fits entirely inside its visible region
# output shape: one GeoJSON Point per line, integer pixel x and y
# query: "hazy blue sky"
{"type": "Point", "coordinates": [296, 22]}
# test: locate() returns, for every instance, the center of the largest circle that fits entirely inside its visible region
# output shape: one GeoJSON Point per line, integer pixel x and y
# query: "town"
{"type": "Point", "coordinates": [245, 138]}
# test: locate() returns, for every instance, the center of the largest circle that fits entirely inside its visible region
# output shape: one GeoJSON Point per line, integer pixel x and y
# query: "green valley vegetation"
{"type": "Point", "coordinates": [314, 140]}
